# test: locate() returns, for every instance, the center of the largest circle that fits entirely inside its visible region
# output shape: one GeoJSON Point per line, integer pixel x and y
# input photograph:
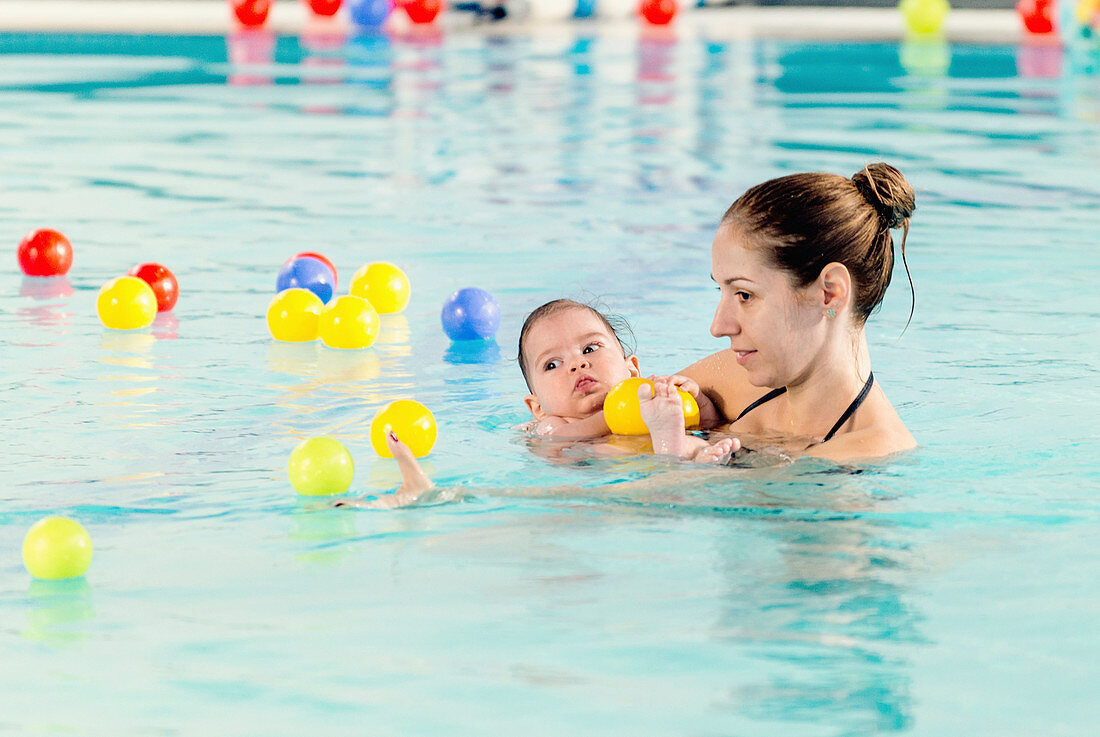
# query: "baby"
{"type": "Point", "coordinates": [571, 357]}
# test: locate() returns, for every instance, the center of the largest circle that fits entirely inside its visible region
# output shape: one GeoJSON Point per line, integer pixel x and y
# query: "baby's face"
{"type": "Point", "coordinates": [573, 362]}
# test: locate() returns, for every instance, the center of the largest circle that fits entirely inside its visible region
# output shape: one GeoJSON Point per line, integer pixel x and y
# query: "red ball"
{"type": "Point", "coordinates": [423, 11]}
{"type": "Point", "coordinates": [162, 281]}
{"type": "Point", "coordinates": [1037, 15]}
{"type": "Point", "coordinates": [659, 12]}
{"type": "Point", "coordinates": [251, 13]}
{"type": "Point", "coordinates": [324, 7]}
{"type": "Point", "coordinates": [320, 257]}
{"type": "Point", "coordinates": [45, 253]}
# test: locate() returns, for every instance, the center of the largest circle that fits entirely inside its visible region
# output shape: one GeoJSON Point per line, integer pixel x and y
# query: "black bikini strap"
{"type": "Point", "coordinates": [766, 398]}
{"type": "Point", "coordinates": [852, 407]}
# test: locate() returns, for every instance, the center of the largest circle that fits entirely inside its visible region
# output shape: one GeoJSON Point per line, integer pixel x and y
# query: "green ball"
{"type": "Point", "coordinates": [924, 17]}
{"type": "Point", "coordinates": [320, 466]}
{"type": "Point", "coordinates": [56, 547]}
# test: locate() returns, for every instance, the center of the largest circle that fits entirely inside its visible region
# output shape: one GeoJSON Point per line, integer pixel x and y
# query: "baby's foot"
{"type": "Point", "coordinates": [414, 482]}
{"type": "Point", "coordinates": [719, 452]}
{"type": "Point", "coordinates": [663, 413]}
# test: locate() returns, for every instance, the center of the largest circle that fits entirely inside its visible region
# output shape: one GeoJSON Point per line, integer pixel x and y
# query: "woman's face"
{"type": "Point", "coordinates": [774, 328]}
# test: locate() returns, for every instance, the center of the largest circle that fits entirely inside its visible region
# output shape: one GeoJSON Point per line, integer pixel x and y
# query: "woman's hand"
{"type": "Point", "coordinates": [708, 414]}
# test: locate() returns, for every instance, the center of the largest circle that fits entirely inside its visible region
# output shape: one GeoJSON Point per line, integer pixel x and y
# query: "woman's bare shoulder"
{"type": "Point", "coordinates": [724, 381]}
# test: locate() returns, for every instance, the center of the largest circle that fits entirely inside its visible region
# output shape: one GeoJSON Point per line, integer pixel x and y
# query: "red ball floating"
{"type": "Point", "coordinates": [251, 13]}
{"type": "Point", "coordinates": [1037, 15]}
{"type": "Point", "coordinates": [324, 7]}
{"type": "Point", "coordinates": [658, 12]}
{"type": "Point", "coordinates": [423, 11]}
{"type": "Point", "coordinates": [162, 281]}
{"type": "Point", "coordinates": [320, 257]}
{"type": "Point", "coordinates": [45, 253]}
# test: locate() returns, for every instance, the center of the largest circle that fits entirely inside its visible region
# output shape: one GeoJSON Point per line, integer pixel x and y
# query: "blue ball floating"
{"type": "Point", "coordinates": [369, 13]}
{"type": "Point", "coordinates": [470, 314]}
{"type": "Point", "coordinates": [309, 273]}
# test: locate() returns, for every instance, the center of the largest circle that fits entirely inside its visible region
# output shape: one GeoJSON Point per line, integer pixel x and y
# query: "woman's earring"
{"type": "Point", "coordinates": [830, 312]}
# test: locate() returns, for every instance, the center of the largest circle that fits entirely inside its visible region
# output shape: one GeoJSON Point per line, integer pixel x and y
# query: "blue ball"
{"type": "Point", "coordinates": [308, 273]}
{"type": "Point", "coordinates": [470, 314]}
{"type": "Point", "coordinates": [369, 13]}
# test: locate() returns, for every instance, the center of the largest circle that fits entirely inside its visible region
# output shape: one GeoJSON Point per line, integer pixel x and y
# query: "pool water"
{"type": "Point", "coordinates": [951, 590]}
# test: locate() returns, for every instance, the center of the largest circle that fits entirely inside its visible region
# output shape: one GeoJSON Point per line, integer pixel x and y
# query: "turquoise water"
{"type": "Point", "coordinates": [949, 591]}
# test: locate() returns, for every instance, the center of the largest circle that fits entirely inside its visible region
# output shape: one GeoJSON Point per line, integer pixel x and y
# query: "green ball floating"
{"type": "Point", "coordinates": [56, 548]}
{"type": "Point", "coordinates": [320, 466]}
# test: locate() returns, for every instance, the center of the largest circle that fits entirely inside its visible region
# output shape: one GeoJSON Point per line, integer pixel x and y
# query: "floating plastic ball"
{"type": "Point", "coordinates": [382, 284]}
{"type": "Point", "coordinates": [56, 547]}
{"type": "Point", "coordinates": [369, 13]}
{"type": "Point", "coordinates": [45, 253]}
{"type": "Point", "coordinates": [294, 315]}
{"type": "Point", "coordinates": [924, 16]}
{"type": "Point", "coordinates": [251, 13]}
{"type": "Point", "coordinates": [585, 9]}
{"type": "Point", "coordinates": [309, 273]}
{"type": "Point", "coordinates": [423, 11]}
{"type": "Point", "coordinates": [162, 281]}
{"type": "Point", "coordinates": [470, 314]}
{"type": "Point", "coordinates": [320, 257]}
{"type": "Point", "coordinates": [658, 12]}
{"type": "Point", "coordinates": [1037, 15]}
{"type": "Point", "coordinates": [412, 422]}
{"type": "Point", "coordinates": [622, 408]}
{"type": "Point", "coordinates": [324, 7]}
{"type": "Point", "coordinates": [320, 466]}
{"type": "Point", "coordinates": [126, 303]}
{"type": "Point", "coordinates": [349, 322]}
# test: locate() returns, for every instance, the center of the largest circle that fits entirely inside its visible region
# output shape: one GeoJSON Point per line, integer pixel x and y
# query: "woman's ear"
{"type": "Point", "coordinates": [835, 284]}
{"type": "Point", "coordinates": [632, 365]}
{"type": "Point", "coordinates": [535, 406]}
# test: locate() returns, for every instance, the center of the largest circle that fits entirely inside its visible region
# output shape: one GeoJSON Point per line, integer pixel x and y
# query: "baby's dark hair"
{"type": "Point", "coordinates": [615, 325]}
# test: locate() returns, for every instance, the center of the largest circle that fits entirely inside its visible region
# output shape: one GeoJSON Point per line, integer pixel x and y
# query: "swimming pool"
{"type": "Point", "coordinates": [951, 591]}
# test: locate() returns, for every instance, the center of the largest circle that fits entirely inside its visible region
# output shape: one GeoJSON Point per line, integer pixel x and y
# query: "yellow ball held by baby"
{"type": "Point", "coordinates": [56, 548]}
{"type": "Point", "coordinates": [410, 421]}
{"type": "Point", "coordinates": [382, 284]}
{"type": "Point", "coordinates": [294, 315]}
{"type": "Point", "coordinates": [126, 303]}
{"type": "Point", "coordinates": [320, 466]}
{"type": "Point", "coordinates": [349, 322]}
{"type": "Point", "coordinates": [622, 408]}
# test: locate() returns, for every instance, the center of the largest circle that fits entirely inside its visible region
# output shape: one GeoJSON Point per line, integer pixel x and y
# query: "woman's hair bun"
{"type": "Point", "coordinates": [888, 192]}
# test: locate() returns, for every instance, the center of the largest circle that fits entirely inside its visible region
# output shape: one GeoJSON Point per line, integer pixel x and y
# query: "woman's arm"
{"type": "Point", "coordinates": [724, 383]}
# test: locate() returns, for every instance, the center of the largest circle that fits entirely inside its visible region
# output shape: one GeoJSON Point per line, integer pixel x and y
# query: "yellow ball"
{"type": "Point", "coordinates": [382, 284]}
{"type": "Point", "coordinates": [320, 466]}
{"type": "Point", "coordinates": [924, 16]}
{"type": "Point", "coordinates": [622, 409]}
{"type": "Point", "coordinates": [349, 322]}
{"type": "Point", "coordinates": [293, 315]}
{"type": "Point", "coordinates": [412, 422]}
{"type": "Point", "coordinates": [56, 547]}
{"type": "Point", "coordinates": [126, 303]}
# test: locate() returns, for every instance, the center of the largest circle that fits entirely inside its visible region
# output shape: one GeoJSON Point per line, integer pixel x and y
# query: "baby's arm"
{"type": "Point", "coordinates": [593, 426]}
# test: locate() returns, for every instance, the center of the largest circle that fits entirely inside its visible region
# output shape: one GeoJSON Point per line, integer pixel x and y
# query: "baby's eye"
{"type": "Point", "coordinates": [591, 347]}
{"type": "Point", "coordinates": [551, 365]}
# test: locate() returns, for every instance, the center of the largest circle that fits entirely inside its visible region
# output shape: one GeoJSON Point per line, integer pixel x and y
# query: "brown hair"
{"type": "Point", "coordinates": [806, 221]}
{"type": "Point", "coordinates": [615, 325]}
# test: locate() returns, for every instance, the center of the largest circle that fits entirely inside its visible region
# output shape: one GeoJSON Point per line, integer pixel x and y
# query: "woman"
{"type": "Point", "coordinates": [801, 262]}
